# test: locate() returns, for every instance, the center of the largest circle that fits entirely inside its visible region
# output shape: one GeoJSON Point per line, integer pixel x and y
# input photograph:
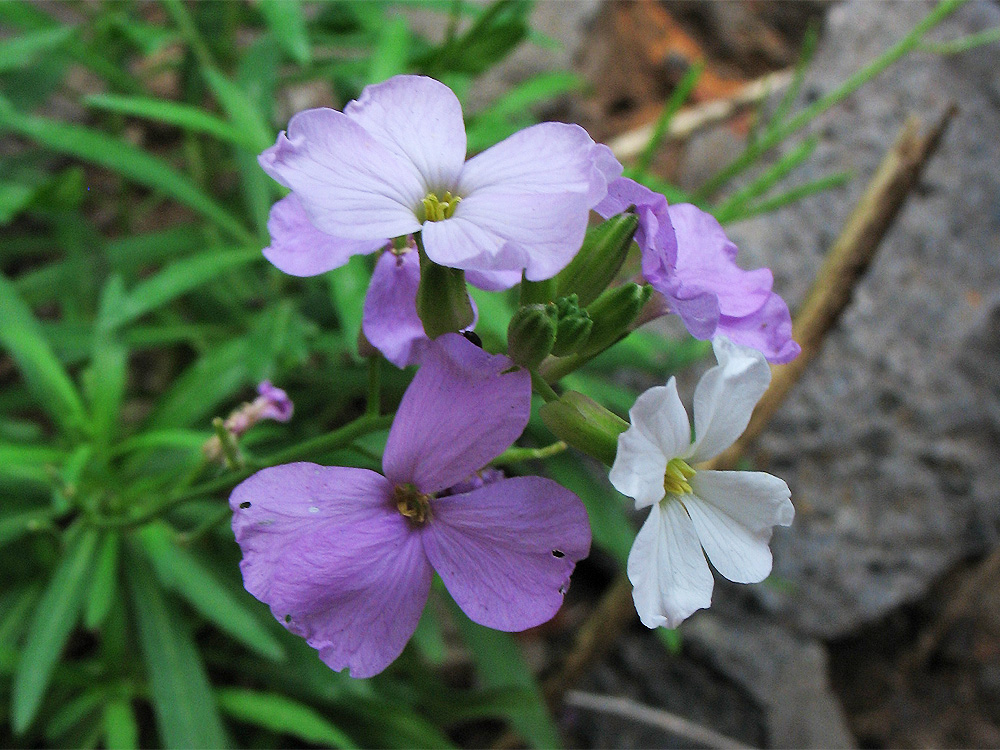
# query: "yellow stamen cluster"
{"type": "Point", "coordinates": [676, 477]}
{"type": "Point", "coordinates": [412, 503]}
{"type": "Point", "coordinates": [439, 209]}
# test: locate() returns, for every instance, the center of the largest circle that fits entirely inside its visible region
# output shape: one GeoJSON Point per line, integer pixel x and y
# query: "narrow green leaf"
{"type": "Point", "coordinates": [179, 278]}
{"type": "Point", "coordinates": [348, 285]}
{"type": "Point", "coordinates": [31, 462]}
{"type": "Point", "coordinates": [500, 665]}
{"type": "Point", "coordinates": [17, 525]}
{"type": "Point", "coordinates": [14, 198]}
{"type": "Point", "coordinates": [22, 336]}
{"type": "Point", "coordinates": [240, 109]}
{"type": "Point", "coordinates": [72, 713]}
{"type": "Point", "coordinates": [50, 628]}
{"type": "Point", "coordinates": [186, 711]}
{"type": "Point", "coordinates": [121, 730]}
{"type": "Point", "coordinates": [103, 582]}
{"type": "Point", "coordinates": [282, 715]}
{"type": "Point", "coordinates": [181, 572]}
{"type": "Point", "coordinates": [15, 607]}
{"type": "Point", "coordinates": [121, 157]}
{"type": "Point", "coordinates": [392, 49]}
{"type": "Point", "coordinates": [183, 116]}
{"type": "Point", "coordinates": [177, 438]}
{"type": "Point", "coordinates": [105, 380]}
{"type": "Point", "coordinates": [130, 253]}
{"type": "Point", "coordinates": [288, 24]}
{"type": "Point", "coordinates": [20, 51]}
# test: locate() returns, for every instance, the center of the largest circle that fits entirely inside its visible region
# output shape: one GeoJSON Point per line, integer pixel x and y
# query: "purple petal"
{"type": "Point", "coordinates": [390, 319]}
{"type": "Point", "coordinates": [655, 235]}
{"type": "Point", "coordinates": [461, 411]}
{"type": "Point", "coordinates": [546, 159]}
{"type": "Point", "coordinates": [275, 403]}
{"type": "Point", "coordinates": [706, 261]}
{"type": "Point", "coordinates": [326, 549]}
{"type": "Point", "coordinates": [506, 550]}
{"type": "Point", "coordinates": [605, 170]}
{"type": "Point", "coordinates": [769, 331]}
{"type": "Point", "coordinates": [420, 121]}
{"type": "Point", "coordinates": [348, 183]}
{"type": "Point", "coordinates": [300, 249]}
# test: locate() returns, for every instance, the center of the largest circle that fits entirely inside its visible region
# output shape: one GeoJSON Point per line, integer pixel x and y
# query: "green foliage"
{"type": "Point", "coordinates": [135, 307]}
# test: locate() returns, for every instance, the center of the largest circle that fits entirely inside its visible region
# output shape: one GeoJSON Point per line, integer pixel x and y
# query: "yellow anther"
{"type": "Point", "coordinates": [439, 209]}
{"type": "Point", "coordinates": [676, 477]}
{"type": "Point", "coordinates": [412, 503]}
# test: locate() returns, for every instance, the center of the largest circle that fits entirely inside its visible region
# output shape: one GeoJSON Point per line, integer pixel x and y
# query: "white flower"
{"type": "Point", "coordinates": [728, 513]}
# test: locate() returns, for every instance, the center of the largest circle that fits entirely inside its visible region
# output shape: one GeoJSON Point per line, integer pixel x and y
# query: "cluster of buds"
{"type": "Point", "coordinates": [271, 403]}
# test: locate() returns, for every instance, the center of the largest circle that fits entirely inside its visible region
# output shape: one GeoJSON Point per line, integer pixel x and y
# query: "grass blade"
{"type": "Point", "coordinates": [285, 20]}
{"type": "Point", "coordinates": [121, 730]}
{"type": "Point", "coordinates": [181, 572]}
{"type": "Point", "coordinates": [282, 715]}
{"type": "Point", "coordinates": [50, 628]}
{"type": "Point", "coordinates": [185, 708]}
{"type": "Point", "coordinates": [120, 157]}
{"type": "Point", "coordinates": [104, 582]}
{"type": "Point", "coordinates": [20, 51]}
{"type": "Point", "coordinates": [21, 335]}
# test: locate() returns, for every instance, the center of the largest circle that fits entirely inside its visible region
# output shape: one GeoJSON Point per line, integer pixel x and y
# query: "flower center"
{"type": "Point", "coordinates": [413, 504]}
{"type": "Point", "coordinates": [675, 478]}
{"type": "Point", "coordinates": [439, 209]}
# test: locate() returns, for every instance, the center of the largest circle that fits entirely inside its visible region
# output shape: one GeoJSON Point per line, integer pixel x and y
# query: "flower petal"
{"type": "Point", "coordinates": [349, 184]}
{"type": "Point", "coordinates": [725, 397]}
{"type": "Point", "coordinates": [638, 468]}
{"type": "Point", "coordinates": [420, 121]}
{"type": "Point", "coordinates": [706, 261]}
{"type": "Point", "coordinates": [551, 158]}
{"type": "Point", "coordinates": [506, 550]}
{"type": "Point", "coordinates": [390, 321]}
{"type": "Point", "coordinates": [326, 550]}
{"type": "Point", "coordinates": [493, 281]}
{"type": "Point", "coordinates": [769, 331]}
{"type": "Point", "coordinates": [655, 235]}
{"type": "Point", "coordinates": [659, 415]}
{"type": "Point", "coordinates": [667, 568]}
{"type": "Point", "coordinates": [300, 249]}
{"type": "Point", "coordinates": [733, 513]}
{"type": "Point", "coordinates": [461, 411]}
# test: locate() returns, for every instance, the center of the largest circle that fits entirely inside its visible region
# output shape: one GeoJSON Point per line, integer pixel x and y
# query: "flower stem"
{"type": "Point", "coordinates": [514, 454]}
{"type": "Point", "coordinates": [374, 405]}
{"type": "Point", "coordinates": [540, 386]}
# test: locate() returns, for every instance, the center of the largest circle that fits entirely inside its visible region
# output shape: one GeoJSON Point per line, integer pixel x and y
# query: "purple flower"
{"type": "Point", "coordinates": [273, 403]}
{"type": "Point", "coordinates": [687, 257]}
{"type": "Point", "coordinates": [393, 163]}
{"type": "Point", "coordinates": [344, 556]}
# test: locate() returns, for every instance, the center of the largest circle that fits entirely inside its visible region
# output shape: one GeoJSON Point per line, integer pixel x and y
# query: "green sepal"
{"type": "Point", "coordinates": [531, 334]}
{"type": "Point", "coordinates": [599, 260]}
{"type": "Point", "coordinates": [585, 424]}
{"type": "Point", "coordinates": [537, 292]}
{"type": "Point", "coordinates": [573, 328]}
{"type": "Point", "coordinates": [613, 313]}
{"type": "Point", "coordinates": [442, 300]}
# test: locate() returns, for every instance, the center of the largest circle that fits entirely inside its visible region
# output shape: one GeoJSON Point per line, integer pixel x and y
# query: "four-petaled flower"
{"type": "Point", "coordinates": [687, 258]}
{"type": "Point", "coordinates": [344, 556]}
{"type": "Point", "coordinates": [728, 513]}
{"type": "Point", "coordinates": [393, 163]}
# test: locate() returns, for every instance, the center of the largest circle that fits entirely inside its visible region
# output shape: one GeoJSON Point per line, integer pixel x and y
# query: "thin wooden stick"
{"type": "Point", "coordinates": [846, 262]}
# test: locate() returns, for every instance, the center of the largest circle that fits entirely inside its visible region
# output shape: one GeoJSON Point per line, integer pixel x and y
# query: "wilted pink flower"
{"type": "Point", "coordinates": [687, 258]}
{"type": "Point", "coordinates": [344, 556]}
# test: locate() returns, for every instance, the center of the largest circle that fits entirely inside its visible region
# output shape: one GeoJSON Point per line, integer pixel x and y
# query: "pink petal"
{"type": "Point", "coordinates": [300, 249]}
{"type": "Point", "coordinates": [506, 550]}
{"type": "Point", "coordinates": [348, 183]}
{"type": "Point", "coordinates": [390, 321]}
{"type": "Point", "coordinates": [419, 120]}
{"type": "Point", "coordinates": [460, 412]}
{"type": "Point", "coordinates": [768, 330]}
{"type": "Point", "coordinates": [327, 550]}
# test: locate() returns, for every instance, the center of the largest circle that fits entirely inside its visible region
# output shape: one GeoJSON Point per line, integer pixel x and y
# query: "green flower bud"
{"type": "Point", "coordinates": [585, 424]}
{"type": "Point", "coordinates": [442, 300]}
{"type": "Point", "coordinates": [612, 314]}
{"type": "Point", "coordinates": [599, 260]}
{"type": "Point", "coordinates": [572, 332]}
{"type": "Point", "coordinates": [531, 334]}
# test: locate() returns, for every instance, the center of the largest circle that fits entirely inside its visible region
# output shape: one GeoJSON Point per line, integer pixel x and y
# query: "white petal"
{"type": "Point", "coordinates": [638, 468]}
{"type": "Point", "coordinates": [456, 242]}
{"type": "Point", "coordinates": [418, 119]}
{"type": "Point", "coordinates": [667, 568]}
{"type": "Point", "coordinates": [734, 512]}
{"type": "Point", "coordinates": [659, 415]}
{"type": "Point", "coordinates": [725, 397]}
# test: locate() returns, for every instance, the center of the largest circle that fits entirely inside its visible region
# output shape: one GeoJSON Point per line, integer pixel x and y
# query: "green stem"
{"type": "Point", "coordinates": [514, 454]}
{"type": "Point", "coordinates": [540, 386]}
{"type": "Point", "coordinates": [374, 405]}
{"type": "Point", "coordinates": [339, 438]}
{"type": "Point", "coordinates": [853, 83]}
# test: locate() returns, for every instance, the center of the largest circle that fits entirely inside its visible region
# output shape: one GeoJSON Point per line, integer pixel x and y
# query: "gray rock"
{"type": "Point", "coordinates": [890, 441]}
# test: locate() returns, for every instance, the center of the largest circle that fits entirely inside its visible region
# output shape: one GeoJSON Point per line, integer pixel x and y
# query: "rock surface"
{"type": "Point", "coordinates": [889, 442]}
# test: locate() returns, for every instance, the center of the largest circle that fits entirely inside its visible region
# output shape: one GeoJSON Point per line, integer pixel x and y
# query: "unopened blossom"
{"type": "Point", "coordinates": [344, 556]}
{"type": "Point", "coordinates": [689, 260]}
{"type": "Point", "coordinates": [271, 403]}
{"type": "Point", "coordinates": [728, 514]}
{"type": "Point", "coordinates": [393, 163]}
